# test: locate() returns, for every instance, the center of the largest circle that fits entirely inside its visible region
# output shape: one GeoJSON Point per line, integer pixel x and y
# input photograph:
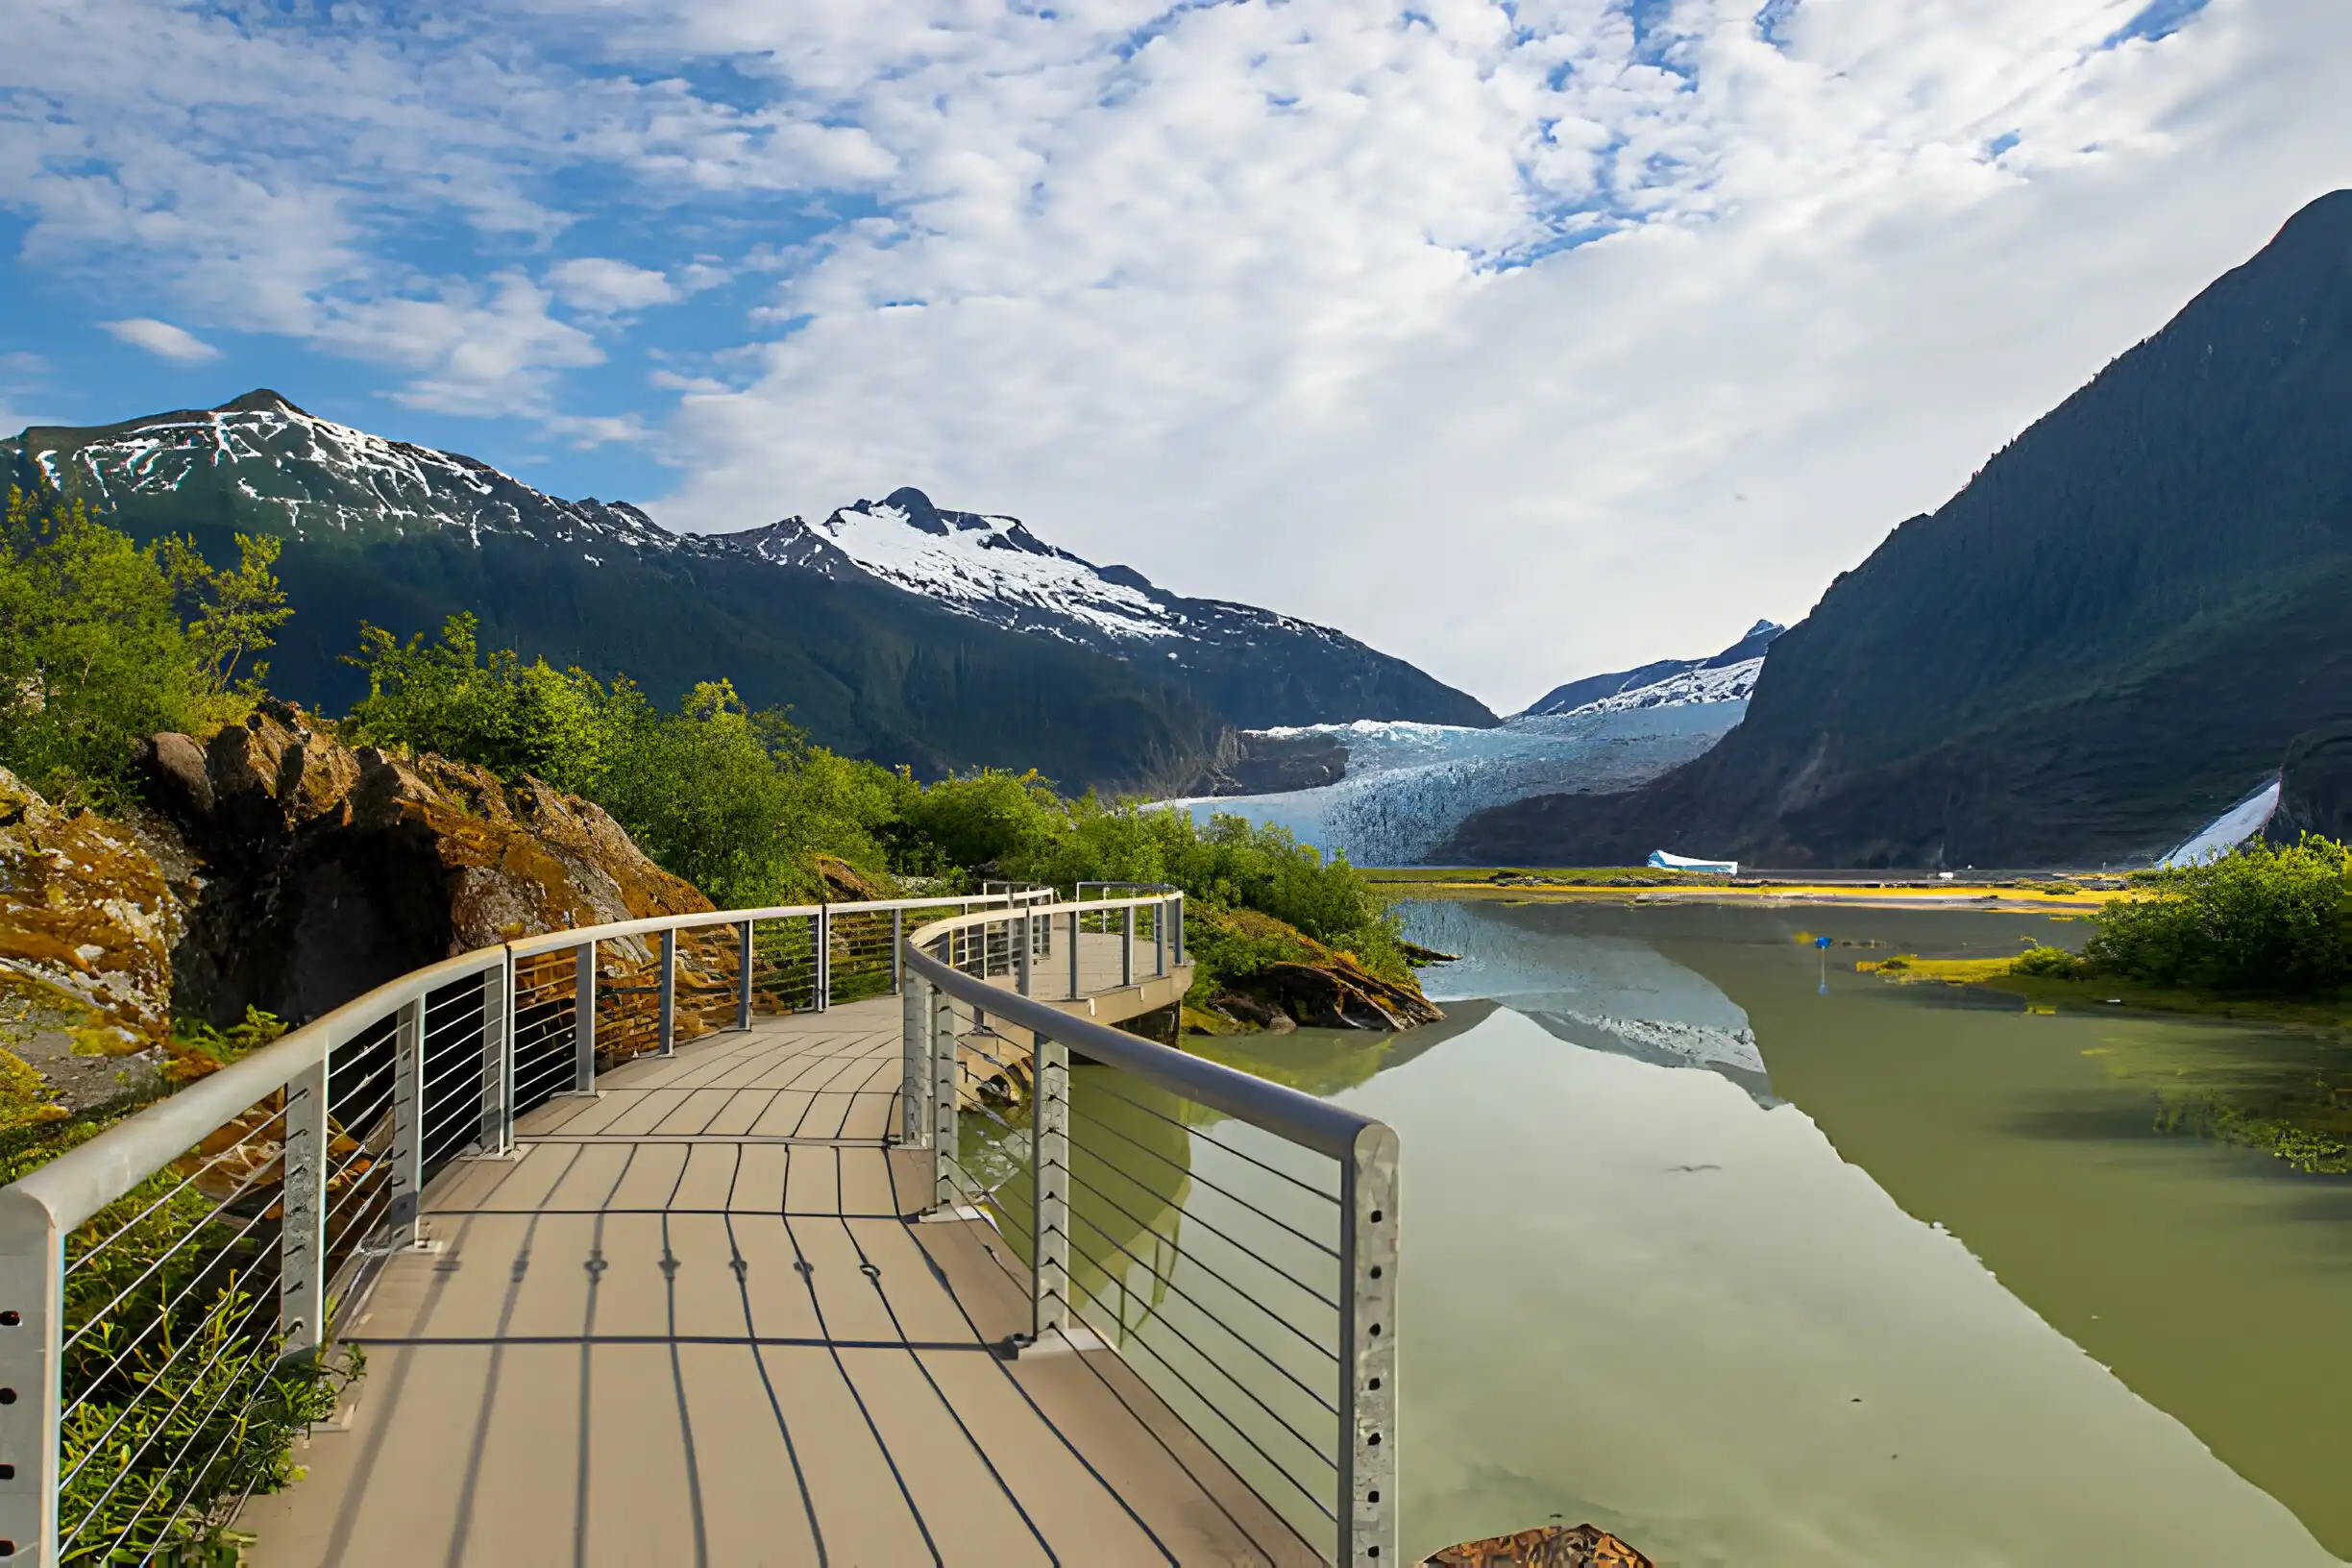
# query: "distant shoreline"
{"type": "Point", "coordinates": [1641, 885]}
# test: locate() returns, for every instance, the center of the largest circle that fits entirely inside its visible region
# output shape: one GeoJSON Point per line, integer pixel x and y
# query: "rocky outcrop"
{"type": "Point", "coordinates": [2315, 787]}
{"type": "Point", "coordinates": [86, 926]}
{"type": "Point", "coordinates": [1273, 975]}
{"type": "Point", "coordinates": [323, 870]}
{"type": "Point", "coordinates": [1552, 1546]}
{"type": "Point", "coordinates": [1273, 762]}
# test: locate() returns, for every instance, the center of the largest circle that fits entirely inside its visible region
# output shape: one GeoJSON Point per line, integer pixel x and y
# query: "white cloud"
{"type": "Point", "coordinates": [604, 285]}
{"type": "Point", "coordinates": [1463, 327]}
{"type": "Point", "coordinates": [161, 339]}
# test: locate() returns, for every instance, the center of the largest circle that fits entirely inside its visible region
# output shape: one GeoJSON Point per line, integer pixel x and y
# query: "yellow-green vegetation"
{"type": "Point", "coordinates": [103, 644]}
{"type": "Point", "coordinates": [2265, 933]}
{"type": "Point", "coordinates": [1559, 876]}
{"type": "Point", "coordinates": [25, 1100]}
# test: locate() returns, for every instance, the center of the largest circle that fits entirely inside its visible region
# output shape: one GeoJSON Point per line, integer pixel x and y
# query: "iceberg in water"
{"type": "Point", "coordinates": [1665, 862]}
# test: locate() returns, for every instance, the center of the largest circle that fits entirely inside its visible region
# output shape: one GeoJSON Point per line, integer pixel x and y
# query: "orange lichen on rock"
{"type": "Point", "coordinates": [1552, 1546]}
{"type": "Point", "coordinates": [86, 914]}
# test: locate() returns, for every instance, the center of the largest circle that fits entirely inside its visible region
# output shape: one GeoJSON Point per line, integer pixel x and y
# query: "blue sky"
{"type": "Point", "coordinates": [1463, 325]}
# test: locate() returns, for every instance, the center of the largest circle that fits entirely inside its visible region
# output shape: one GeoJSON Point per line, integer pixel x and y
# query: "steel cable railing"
{"type": "Point", "coordinates": [169, 1288]}
{"type": "Point", "coordinates": [1233, 1240]}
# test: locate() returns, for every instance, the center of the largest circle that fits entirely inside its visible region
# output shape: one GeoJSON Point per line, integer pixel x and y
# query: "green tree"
{"type": "Point", "coordinates": [103, 643]}
{"type": "Point", "coordinates": [2267, 919]}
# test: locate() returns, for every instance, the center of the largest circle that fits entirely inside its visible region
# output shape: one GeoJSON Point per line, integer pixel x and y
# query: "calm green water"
{"type": "Point", "coordinates": [1757, 1275]}
{"type": "Point", "coordinates": [1930, 1286]}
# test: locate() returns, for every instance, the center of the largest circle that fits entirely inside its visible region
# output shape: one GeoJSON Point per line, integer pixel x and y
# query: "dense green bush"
{"type": "Point", "coordinates": [103, 644]}
{"type": "Point", "coordinates": [737, 802]}
{"type": "Point", "coordinates": [741, 804]}
{"type": "Point", "coordinates": [2270, 921]}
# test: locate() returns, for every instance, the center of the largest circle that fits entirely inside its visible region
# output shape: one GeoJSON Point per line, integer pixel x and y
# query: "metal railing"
{"type": "Point", "coordinates": [1234, 1239]}
{"type": "Point", "coordinates": [166, 1287]}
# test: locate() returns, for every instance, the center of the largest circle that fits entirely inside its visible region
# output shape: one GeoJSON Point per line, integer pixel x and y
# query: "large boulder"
{"type": "Point", "coordinates": [2315, 787]}
{"type": "Point", "coordinates": [326, 870]}
{"type": "Point", "coordinates": [87, 921]}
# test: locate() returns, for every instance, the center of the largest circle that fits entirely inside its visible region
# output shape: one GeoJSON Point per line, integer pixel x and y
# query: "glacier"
{"type": "Point", "coordinates": [1408, 786]}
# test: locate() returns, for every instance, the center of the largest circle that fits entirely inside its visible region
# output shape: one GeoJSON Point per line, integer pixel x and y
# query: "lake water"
{"type": "Point", "coordinates": [1895, 1274]}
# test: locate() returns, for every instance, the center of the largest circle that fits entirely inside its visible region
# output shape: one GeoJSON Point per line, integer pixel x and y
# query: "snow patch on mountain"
{"type": "Point", "coordinates": [328, 478]}
{"type": "Point", "coordinates": [1708, 683]}
{"type": "Point", "coordinates": [981, 565]}
{"type": "Point", "coordinates": [2227, 831]}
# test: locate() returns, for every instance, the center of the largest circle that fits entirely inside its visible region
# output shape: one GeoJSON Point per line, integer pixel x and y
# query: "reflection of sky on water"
{"type": "Point", "coordinates": [1603, 992]}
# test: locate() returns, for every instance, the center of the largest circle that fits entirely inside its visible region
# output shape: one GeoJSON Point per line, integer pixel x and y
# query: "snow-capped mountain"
{"type": "Point", "coordinates": [1732, 674]}
{"type": "Point", "coordinates": [989, 568]}
{"type": "Point", "coordinates": [262, 464]}
{"type": "Point", "coordinates": [822, 617]}
{"type": "Point", "coordinates": [1257, 667]}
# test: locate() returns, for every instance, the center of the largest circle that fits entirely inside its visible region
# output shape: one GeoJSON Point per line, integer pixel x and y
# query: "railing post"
{"type": "Point", "coordinates": [31, 1368]}
{"type": "Point", "coordinates": [946, 1064]}
{"type": "Point", "coordinates": [1127, 948]}
{"type": "Point", "coordinates": [1367, 1349]}
{"type": "Point", "coordinates": [302, 1223]}
{"type": "Point", "coordinates": [1178, 933]}
{"type": "Point", "coordinates": [1020, 949]}
{"type": "Point", "coordinates": [1160, 938]}
{"type": "Point", "coordinates": [825, 956]}
{"type": "Point", "coordinates": [1049, 1186]}
{"type": "Point", "coordinates": [407, 1207]}
{"type": "Point", "coordinates": [743, 978]}
{"type": "Point", "coordinates": [897, 955]}
{"type": "Point", "coordinates": [914, 1080]}
{"type": "Point", "coordinates": [497, 1058]}
{"type": "Point", "coordinates": [668, 990]}
{"type": "Point", "coordinates": [584, 1018]}
{"type": "Point", "coordinates": [1074, 955]}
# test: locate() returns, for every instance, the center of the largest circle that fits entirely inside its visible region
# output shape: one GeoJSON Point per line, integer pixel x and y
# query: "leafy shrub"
{"type": "Point", "coordinates": [738, 802]}
{"type": "Point", "coordinates": [2267, 919]}
{"type": "Point", "coordinates": [2049, 963]}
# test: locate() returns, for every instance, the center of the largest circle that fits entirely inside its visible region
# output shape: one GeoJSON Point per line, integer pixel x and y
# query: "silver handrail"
{"type": "Point", "coordinates": [1250, 1411]}
{"type": "Point", "coordinates": [275, 1183]}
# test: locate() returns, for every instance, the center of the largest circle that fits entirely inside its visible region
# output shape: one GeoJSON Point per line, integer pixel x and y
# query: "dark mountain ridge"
{"type": "Point", "coordinates": [2110, 635]}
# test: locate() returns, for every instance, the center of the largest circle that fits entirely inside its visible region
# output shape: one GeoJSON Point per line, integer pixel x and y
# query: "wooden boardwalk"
{"type": "Point", "coordinates": [695, 1322]}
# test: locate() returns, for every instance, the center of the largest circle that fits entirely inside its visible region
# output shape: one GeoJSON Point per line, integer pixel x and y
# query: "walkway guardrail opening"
{"type": "Point", "coordinates": [1232, 1238]}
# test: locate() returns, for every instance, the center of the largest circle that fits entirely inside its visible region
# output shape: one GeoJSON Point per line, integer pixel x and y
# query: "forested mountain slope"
{"type": "Point", "coordinates": [2111, 634]}
{"type": "Point", "coordinates": [402, 536]}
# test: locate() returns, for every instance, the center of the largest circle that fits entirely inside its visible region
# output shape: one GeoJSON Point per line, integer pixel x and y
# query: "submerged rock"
{"type": "Point", "coordinates": [324, 869]}
{"type": "Point", "coordinates": [1552, 1546]}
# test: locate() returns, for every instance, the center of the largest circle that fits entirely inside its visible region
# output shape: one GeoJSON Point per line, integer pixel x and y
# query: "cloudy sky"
{"type": "Point", "coordinates": [1520, 337]}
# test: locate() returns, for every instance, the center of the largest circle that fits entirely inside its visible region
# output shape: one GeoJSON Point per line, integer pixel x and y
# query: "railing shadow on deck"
{"type": "Point", "coordinates": [170, 1289]}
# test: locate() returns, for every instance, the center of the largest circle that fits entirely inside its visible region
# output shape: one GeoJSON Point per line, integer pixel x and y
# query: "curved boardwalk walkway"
{"type": "Point", "coordinates": [697, 1322]}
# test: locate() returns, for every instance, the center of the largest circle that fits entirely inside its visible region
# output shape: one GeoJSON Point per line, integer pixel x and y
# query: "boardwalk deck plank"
{"type": "Point", "coordinates": [695, 1322]}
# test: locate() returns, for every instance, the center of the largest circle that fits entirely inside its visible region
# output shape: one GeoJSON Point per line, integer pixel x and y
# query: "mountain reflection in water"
{"type": "Point", "coordinates": [1641, 1284]}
